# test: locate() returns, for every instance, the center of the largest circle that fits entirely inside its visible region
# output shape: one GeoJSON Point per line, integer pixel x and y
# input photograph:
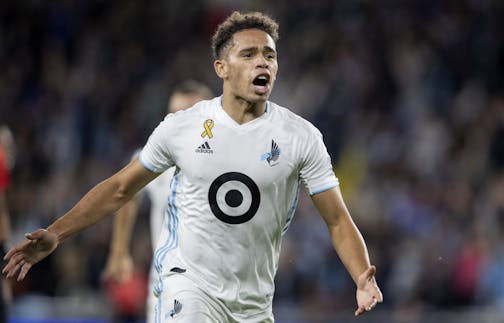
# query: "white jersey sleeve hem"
{"type": "Point", "coordinates": [148, 165]}
{"type": "Point", "coordinates": [323, 189]}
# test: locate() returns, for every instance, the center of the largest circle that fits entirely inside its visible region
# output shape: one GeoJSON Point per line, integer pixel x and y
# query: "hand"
{"type": "Point", "coordinates": [118, 268]}
{"type": "Point", "coordinates": [368, 293]}
{"type": "Point", "coordinates": [38, 245]}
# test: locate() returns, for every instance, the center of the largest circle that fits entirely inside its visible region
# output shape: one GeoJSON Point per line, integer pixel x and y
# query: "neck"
{"type": "Point", "coordinates": [240, 110]}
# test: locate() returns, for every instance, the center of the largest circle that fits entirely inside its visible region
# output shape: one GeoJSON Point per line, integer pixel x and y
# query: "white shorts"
{"type": "Point", "coordinates": [180, 300]}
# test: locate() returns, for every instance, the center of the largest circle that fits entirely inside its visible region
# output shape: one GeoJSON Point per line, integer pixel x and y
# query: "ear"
{"type": "Point", "coordinates": [221, 68]}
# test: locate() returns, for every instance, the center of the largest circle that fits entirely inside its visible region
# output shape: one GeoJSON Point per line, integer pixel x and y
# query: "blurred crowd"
{"type": "Point", "coordinates": [409, 96]}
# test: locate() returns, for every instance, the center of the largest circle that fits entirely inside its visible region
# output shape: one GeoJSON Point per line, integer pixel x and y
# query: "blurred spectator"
{"type": "Point", "coordinates": [7, 153]}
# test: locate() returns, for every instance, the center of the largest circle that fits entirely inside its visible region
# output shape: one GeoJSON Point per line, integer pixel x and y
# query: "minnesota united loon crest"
{"type": "Point", "coordinates": [272, 156]}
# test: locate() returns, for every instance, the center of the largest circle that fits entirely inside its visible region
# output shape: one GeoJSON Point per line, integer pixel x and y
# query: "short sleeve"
{"type": "Point", "coordinates": [156, 155]}
{"type": "Point", "coordinates": [316, 171]}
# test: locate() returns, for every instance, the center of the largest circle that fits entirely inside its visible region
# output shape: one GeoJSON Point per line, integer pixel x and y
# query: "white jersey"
{"type": "Point", "coordinates": [158, 190]}
{"type": "Point", "coordinates": [232, 197]}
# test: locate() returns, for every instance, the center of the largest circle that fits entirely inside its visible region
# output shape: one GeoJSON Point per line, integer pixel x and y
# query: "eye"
{"type": "Point", "coordinates": [247, 54]}
{"type": "Point", "coordinates": [270, 55]}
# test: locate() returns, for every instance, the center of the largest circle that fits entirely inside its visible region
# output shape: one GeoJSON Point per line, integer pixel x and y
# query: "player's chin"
{"type": "Point", "coordinates": [260, 97]}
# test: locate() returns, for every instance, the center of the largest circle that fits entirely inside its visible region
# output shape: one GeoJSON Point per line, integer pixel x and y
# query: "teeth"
{"type": "Point", "coordinates": [261, 80]}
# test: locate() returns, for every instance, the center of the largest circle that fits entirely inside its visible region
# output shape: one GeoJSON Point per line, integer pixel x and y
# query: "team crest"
{"type": "Point", "coordinates": [272, 156]}
{"type": "Point", "coordinates": [177, 307]}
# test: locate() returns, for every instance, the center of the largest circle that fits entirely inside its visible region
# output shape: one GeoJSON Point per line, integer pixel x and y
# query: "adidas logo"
{"type": "Point", "coordinates": [204, 148]}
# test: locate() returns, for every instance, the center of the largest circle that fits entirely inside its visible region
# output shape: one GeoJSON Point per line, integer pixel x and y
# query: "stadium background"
{"type": "Point", "coordinates": [408, 95]}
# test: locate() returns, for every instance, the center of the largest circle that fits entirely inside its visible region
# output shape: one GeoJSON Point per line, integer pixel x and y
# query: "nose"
{"type": "Point", "coordinates": [262, 62]}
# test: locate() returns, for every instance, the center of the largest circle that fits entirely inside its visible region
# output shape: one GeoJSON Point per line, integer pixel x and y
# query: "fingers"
{"type": "Point", "coordinates": [25, 267]}
{"type": "Point", "coordinates": [368, 307]}
{"type": "Point", "coordinates": [372, 305]}
{"type": "Point", "coordinates": [11, 252]}
{"type": "Point", "coordinates": [17, 257]}
{"type": "Point", "coordinates": [22, 245]}
{"type": "Point", "coordinates": [368, 293]}
{"type": "Point", "coordinates": [16, 262]}
{"type": "Point", "coordinates": [379, 296]}
{"type": "Point", "coordinates": [359, 311]}
{"type": "Point", "coordinates": [13, 261]}
{"type": "Point", "coordinates": [17, 248]}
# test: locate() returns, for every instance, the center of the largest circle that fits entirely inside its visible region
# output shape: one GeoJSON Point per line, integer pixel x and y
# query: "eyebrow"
{"type": "Point", "coordinates": [255, 48]}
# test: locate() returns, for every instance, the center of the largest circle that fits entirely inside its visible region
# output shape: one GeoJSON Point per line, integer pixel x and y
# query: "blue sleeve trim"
{"type": "Point", "coordinates": [324, 189]}
{"type": "Point", "coordinates": [145, 164]}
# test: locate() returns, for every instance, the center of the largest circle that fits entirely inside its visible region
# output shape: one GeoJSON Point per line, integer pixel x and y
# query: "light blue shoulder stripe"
{"type": "Point", "coordinates": [327, 188]}
{"type": "Point", "coordinates": [172, 230]}
{"type": "Point", "coordinates": [159, 308]}
{"type": "Point", "coordinates": [145, 164]}
{"type": "Point", "coordinates": [172, 224]}
{"type": "Point", "coordinates": [292, 211]}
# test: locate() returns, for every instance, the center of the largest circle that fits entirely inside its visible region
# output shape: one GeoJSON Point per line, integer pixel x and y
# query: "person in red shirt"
{"type": "Point", "coordinates": [6, 163]}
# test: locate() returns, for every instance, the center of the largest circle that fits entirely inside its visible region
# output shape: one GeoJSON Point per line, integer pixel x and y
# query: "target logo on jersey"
{"type": "Point", "coordinates": [234, 198]}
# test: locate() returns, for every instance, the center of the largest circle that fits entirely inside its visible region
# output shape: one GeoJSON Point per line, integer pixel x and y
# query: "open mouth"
{"type": "Point", "coordinates": [261, 80]}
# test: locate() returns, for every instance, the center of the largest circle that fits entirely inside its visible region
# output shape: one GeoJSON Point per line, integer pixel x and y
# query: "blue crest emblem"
{"type": "Point", "coordinates": [273, 155]}
{"type": "Point", "coordinates": [177, 307]}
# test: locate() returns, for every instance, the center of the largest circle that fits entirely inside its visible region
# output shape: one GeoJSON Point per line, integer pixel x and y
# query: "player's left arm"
{"type": "Point", "coordinates": [350, 246]}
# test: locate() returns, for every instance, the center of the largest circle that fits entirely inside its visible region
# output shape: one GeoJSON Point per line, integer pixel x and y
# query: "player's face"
{"type": "Point", "coordinates": [250, 65]}
{"type": "Point", "coordinates": [181, 101]}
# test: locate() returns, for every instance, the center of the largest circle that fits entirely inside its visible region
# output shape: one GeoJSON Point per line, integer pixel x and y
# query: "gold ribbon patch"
{"type": "Point", "coordinates": [208, 125]}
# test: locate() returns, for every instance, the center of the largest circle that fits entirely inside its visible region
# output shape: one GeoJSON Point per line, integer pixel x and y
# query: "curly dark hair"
{"type": "Point", "coordinates": [237, 22]}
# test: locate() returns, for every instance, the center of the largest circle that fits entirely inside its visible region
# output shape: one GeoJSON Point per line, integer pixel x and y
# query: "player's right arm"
{"type": "Point", "coordinates": [103, 199]}
{"type": "Point", "coordinates": [119, 265]}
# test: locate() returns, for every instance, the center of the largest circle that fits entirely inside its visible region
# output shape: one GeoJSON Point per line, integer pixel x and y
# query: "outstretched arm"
{"type": "Point", "coordinates": [119, 264]}
{"type": "Point", "coordinates": [350, 246]}
{"type": "Point", "coordinates": [103, 199]}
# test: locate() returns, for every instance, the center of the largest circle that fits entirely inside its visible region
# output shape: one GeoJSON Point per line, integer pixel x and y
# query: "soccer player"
{"type": "Point", "coordinates": [239, 162]}
{"type": "Point", "coordinates": [119, 263]}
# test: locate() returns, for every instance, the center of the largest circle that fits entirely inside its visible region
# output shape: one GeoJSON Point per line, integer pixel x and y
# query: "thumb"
{"type": "Point", "coordinates": [35, 235]}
